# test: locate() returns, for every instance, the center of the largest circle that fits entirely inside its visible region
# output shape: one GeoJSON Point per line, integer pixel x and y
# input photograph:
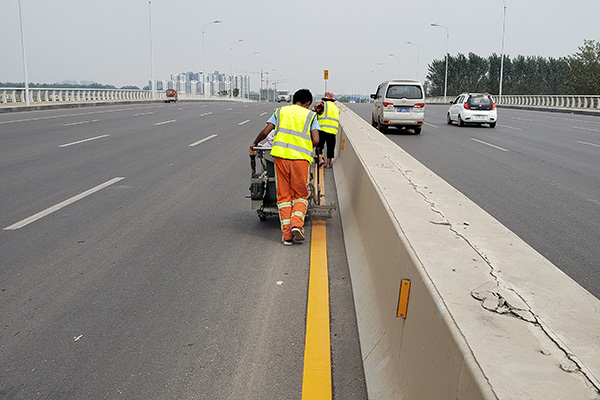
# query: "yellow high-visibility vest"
{"type": "Point", "coordinates": [330, 119]}
{"type": "Point", "coordinates": [292, 133]}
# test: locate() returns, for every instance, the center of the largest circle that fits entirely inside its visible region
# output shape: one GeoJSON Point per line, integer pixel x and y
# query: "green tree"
{"type": "Point", "coordinates": [434, 82]}
{"type": "Point", "coordinates": [585, 68]}
{"type": "Point", "coordinates": [236, 92]}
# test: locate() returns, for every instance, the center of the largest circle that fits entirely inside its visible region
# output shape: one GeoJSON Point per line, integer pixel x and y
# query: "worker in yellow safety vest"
{"type": "Point", "coordinates": [328, 116]}
{"type": "Point", "coordinates": [296, 134]}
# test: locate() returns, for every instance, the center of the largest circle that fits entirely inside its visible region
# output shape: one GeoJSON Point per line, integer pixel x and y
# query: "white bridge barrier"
{"type": "Point", "coordinates": [39, 96]}
{"type": "Point", "coordinates": [591, 102]}
{"type": "Point", "coordinates": [488, 317]}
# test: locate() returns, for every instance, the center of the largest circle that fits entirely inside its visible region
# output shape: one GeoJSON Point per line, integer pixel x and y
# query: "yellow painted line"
{"type": "Point", "coordinates": [322, 184]}
{"type": "Point", "coordinates": [316, 382]}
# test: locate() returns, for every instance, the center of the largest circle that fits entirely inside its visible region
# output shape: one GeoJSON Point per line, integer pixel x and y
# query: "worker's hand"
{"type": "Point", "coordinates": [319, 108]}
{"type": "Point", "coordinates": [252, 146]}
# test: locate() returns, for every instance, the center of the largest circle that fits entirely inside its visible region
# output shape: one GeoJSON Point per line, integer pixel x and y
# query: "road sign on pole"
{"type": "Point", "coordinates": [326, 74]}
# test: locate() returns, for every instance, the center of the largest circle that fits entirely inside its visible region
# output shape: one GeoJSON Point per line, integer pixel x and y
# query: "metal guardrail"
{"type": "Point", "coordinates": [550, 101]}
{"type": "Point", "coordinates": [16, 96]}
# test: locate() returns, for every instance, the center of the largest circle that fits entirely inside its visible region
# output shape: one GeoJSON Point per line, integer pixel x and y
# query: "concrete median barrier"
{"type": "Point", "coordinates": [488, 317]}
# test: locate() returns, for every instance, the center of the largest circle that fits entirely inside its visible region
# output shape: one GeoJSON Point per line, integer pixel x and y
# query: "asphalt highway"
{"type": "Point", "coordinates": [538, 173]}
{"type": "Point", "coordinates": [133, 267]}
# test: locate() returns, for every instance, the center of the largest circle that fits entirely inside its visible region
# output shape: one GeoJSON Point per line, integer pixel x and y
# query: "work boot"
{"type": "Point", "coordinates": [298, 234]}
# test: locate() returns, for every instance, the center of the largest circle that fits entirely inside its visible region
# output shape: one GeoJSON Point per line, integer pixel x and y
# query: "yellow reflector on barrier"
{"type": "Point", "coordinates": [403, 300]}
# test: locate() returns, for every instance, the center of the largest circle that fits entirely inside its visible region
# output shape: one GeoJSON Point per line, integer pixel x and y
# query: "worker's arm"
{"type": "Point", "coordinates": [314, 134]}
{"type": "Point", "coordinates": [262, 135]}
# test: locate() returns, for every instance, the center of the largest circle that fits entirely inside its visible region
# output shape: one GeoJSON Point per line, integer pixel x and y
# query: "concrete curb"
{"type": "Point", "coordinates": [56, 106]}
{"type": "Point", "coordinates": [5, 108]}
{"type": "Point", "coordinates": [488, 317]}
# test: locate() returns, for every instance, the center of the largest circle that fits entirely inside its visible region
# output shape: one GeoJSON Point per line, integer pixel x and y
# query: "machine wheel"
{"type": "Point", "coordinates": [492, 124]}
{"type": "Point", "coordinates": [448, 120]}
{"type": "Point", "coordinates": [417, 130]}
{"type": "Point", "coordinates": [311, 194]}
{"type": "Point", "coordinates": [261, 215]}
{"type": "Point", "coordinates": [460, 121]}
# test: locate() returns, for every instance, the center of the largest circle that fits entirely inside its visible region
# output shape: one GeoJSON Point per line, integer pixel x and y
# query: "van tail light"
{"type": "Point", "coordinates": [388, 104]}
{"type": "Point", "coordinates": [419, 105]}
{"type": "Point", "coordinates": [466, 106]}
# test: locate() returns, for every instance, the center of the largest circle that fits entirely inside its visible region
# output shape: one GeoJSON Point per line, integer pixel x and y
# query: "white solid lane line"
{"type": "Point", "coordinates": [165, 122]}
{"type": "Point", "coordinates": [589, 144]}
{"type": "Point", "coordinates": [84, 140]}
{"type": "Point", "coordinates": [244, 122]}
{"type": "Point", "coordinates": [63, 204]}
{"type": "Point", "coordinates": [489, 144]}
{"type": "Point", "coordinates": [203, 140]}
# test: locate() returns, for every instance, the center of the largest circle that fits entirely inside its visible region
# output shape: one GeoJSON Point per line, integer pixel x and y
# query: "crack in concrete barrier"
{"type": "Point", "coordinates": [497, 296]}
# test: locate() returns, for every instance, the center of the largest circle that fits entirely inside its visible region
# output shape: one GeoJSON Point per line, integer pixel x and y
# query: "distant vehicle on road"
{"type": "Point", "coordinates": [171, 96]}
{"type": "Point", "coordinates": [399, 103]}
{"type": "Point", "coordinates": [473, 108]}
{"type": "Point", "coordinates": [283, 95]}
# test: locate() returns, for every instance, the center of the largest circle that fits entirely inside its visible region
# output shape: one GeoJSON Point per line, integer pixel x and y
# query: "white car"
{"type": "Point", "coordinates": [283, 96]}
{"type": "Point", "coordinates": [473, 108]}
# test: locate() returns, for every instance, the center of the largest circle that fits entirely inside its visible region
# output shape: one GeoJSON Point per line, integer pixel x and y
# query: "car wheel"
{"type": "Point", "coordinates": [373, 123]}
{"type": "Point", "coordinates": [417, 130]}
{"type": "Point", "coordinates": [381, 128]}
{"type": "Point", "coordinates": [460, 121]}
{"type": "Point", "coordinates": [448, 120]}
{"type": "Point", "coordinates": [492, 124]}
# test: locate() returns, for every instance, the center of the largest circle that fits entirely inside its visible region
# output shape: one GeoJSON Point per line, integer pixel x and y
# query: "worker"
{"type": "Point", "coordinates": [328, 116]}
{"type": "Point", "coordinates": [296, 134]}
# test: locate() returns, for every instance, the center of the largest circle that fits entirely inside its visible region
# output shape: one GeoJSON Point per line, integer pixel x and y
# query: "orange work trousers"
{"type": "Point", "coordinates": [292, 194]}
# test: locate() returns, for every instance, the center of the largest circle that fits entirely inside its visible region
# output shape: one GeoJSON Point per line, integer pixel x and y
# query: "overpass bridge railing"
{"type": "Point", "coordinates": [16, 96]}
{"type": "Point", "coordinates": [547, 101]}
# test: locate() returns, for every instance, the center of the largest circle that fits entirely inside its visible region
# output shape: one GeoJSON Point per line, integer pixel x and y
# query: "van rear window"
{"type": "Point", "coordinates": [404, 91]}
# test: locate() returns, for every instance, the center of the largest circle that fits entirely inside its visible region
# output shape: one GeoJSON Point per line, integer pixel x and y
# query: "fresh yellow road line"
{"type": "Point", "coordinates": [316, 383]}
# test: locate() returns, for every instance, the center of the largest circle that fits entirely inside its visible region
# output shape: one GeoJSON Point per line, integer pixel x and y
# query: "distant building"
{"type": "Point", "coordinates": [211, 83]}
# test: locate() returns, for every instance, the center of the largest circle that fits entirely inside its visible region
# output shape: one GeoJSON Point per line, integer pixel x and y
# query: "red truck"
{"type": "Point", "coordinates": [171, 96]}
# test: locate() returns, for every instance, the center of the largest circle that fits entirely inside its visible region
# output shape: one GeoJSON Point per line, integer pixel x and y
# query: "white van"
{"type": "Point", "coordinates": [399, 103]}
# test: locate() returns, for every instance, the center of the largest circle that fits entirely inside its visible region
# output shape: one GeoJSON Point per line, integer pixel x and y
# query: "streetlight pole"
{"type": "Point", "coordinates": [447, 57]}
{"type": "Point", "coordinates": [152, 83]}
{"type": "Point", "coordinates": [216, 21]}
{"type": "Point", "coordinates": [502, 59]}
{"type": "Point", "coordinates": [27, 101]}
{"type": "Point", "coordinates": [231, 69]}
{"type": "Point", "coordinates": [418, 53]}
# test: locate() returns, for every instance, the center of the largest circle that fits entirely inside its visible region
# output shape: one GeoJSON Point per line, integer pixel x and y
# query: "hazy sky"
{"type": "Point", "coordinates": [108, 41]}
